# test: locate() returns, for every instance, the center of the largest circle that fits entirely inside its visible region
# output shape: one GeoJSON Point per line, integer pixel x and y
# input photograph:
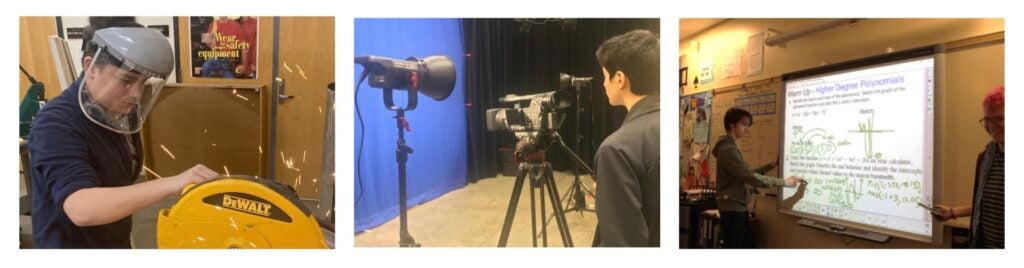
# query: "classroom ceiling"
{"type": "Point", "coordinates": [690, 27]}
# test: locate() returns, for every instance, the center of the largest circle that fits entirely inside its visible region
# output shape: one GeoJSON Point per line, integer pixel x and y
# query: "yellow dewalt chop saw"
{"type": "Point", "coordinates": [241, 212]}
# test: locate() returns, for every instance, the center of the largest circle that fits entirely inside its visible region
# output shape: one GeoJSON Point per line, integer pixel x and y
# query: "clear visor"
{"type": "Point", "coordinates": [117, 95]}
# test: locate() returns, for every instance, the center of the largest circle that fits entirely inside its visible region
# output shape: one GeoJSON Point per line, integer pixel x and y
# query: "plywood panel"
{"type": "Point", "coordinates": [214, 125]}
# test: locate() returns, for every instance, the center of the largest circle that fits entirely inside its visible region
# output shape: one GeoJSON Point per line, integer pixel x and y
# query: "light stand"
{"type": "Point", "coordinates": [402, 152]}
{"type": "Point", "coordinates": [576, 199]}
{"type": "Point", "coordinates": [434, 76]}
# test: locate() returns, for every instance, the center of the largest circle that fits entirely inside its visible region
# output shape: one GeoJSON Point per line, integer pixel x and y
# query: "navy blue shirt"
{"type": "Point", "coordinates": [69, 153]}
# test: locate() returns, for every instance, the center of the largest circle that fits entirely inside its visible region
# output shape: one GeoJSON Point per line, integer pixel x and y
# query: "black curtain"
{"type": "Point", "coordinates": [504, 56]}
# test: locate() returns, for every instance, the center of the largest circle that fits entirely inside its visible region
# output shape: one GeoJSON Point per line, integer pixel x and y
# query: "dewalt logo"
{"type": "Point", "coordinates": [249, 204]}
{"type": "Point", "coordinates": [246, 205]}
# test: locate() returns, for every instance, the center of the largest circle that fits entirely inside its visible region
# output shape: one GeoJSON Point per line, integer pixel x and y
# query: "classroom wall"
{"type": "Point", "coordinates": [970, 72]}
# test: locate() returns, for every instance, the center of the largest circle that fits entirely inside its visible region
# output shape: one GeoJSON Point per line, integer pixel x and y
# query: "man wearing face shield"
{"type": "Point", "coordinates": [85, 145]}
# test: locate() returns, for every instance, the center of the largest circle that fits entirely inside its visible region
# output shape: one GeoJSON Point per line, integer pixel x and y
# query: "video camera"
{"type": "Point", "coordinates": [538, 114]}
{"type": "Point", "coordinates": [532, 118]}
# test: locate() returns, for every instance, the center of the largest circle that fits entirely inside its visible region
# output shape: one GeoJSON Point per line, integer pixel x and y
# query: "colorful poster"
{"type": "Point", "coordinates": [224, 47]}
{"type": "Point", "coordinates": [695, 140]}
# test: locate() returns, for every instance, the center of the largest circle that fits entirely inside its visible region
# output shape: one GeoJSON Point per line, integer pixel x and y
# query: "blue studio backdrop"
{"type": "Point", "coordinates": [438, 137]}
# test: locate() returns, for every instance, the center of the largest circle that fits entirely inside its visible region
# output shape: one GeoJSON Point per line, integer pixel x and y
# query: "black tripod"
{"type": "Point", "coordinates": [576, 197]}
{"type": "Point", "coordinates": [541, 178]}
{"type": "Point", "coordinates": [543, 169]}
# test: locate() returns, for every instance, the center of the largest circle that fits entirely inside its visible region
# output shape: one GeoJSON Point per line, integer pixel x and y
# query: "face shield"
{"type": "Point", "coordinates": [124, 78]}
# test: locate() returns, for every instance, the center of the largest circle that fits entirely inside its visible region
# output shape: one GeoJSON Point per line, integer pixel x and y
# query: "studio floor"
{"type": "Point", "coordinates": [473, 216]}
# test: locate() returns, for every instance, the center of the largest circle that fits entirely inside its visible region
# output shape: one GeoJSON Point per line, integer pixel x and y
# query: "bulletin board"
{"type": "Point", "coordinates": [763, 100]}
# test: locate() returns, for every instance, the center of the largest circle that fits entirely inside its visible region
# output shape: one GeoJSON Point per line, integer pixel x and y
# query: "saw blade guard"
{"type": "Point", "coordinates": [239, 212]}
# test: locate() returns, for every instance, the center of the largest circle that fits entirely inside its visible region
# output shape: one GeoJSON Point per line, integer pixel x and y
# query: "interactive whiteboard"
{"type": "Point", "coordinates": [862, 134]}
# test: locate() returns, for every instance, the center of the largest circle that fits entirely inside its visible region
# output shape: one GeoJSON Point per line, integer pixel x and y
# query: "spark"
{"type": "Point", "coordinates": [152, 172]}
{"type": "Point", "coordinates": [226, 172]}
{"type": "Point", "coordinates": [301, 72]}
{"type": "Point", "coordinates": [286, 67]}
{"type": "Point", "coordinates": [261, 148]}
{"type": "Point", "coordinates": [320, 108]}
{"type": "Point", "coordinates": [168, 151]}
{"type": "Point", "coordinates": [242, 97]}
{"type": "Point", "coordinates": [214, 144]}
{"type": "Point", "coordinates": [289, 163]}
{"type": "Point", "coordinates": [303, 156]}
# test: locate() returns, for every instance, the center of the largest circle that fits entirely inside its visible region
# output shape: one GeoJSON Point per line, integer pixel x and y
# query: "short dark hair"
{"type": "Point", "coordinates": [636, 54]}
{"type": "Point", "coordinates": [96, 24]}
{"type": "Point", "coordinates": [734, 115]}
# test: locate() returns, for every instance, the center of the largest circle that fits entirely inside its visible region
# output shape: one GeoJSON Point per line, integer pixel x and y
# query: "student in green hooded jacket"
{"type": "Point", "coordinates": [736, 180]}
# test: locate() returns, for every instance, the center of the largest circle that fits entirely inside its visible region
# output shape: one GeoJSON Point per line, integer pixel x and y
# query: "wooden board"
{"type": "Point", "coordinates": [217, 126]}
